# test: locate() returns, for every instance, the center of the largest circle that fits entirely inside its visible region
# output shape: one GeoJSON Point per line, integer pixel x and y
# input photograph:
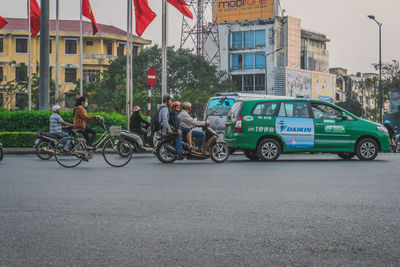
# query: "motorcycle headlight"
{"type": "Point", "coordinates": [383, 129]}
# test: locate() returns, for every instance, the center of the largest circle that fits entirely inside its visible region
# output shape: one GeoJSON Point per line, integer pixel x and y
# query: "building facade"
{"type": "Point", "coordinates": [98, 53]}
{"type": "Point", "coordinates": [275, 56]}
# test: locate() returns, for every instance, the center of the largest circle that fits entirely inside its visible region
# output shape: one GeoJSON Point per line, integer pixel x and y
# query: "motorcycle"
{"type": "Point", "coordinates": [395, 143]}
{"type": "Point", "coordinates": [45, 143]}
{"type": "Point", "coordinates": [217, 149]}
{"type": "Point", "coordinates": [1, 151]}
{"type": "Point", "coordinates": [136, 141]}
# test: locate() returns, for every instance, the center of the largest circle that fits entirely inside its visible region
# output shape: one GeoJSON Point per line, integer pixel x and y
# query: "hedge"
{"type": "Point", "coordinates": [17, 139]}
{"type": "Point", "coordinates": [38, 120]}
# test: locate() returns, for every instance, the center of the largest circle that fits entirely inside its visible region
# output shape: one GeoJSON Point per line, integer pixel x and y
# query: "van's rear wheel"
{"type": "Point", "coordinates": [268, 150]}
{"type": "Point", "coordinates": [251, 154]}
{"type": "Point", "coordinates": [346, 155]}
{"type": "Point", "coordinates": [367, 149]}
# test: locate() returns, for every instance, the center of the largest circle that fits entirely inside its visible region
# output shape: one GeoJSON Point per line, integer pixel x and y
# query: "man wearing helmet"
{"type": "Point", "coordinates": [164, 120]}
{"type": "Point", "coordinates": [390, 131]}
{"type": "Point", "coordinates": [137, 123]}
{"type": "Point", "coordinates": [56, 123]}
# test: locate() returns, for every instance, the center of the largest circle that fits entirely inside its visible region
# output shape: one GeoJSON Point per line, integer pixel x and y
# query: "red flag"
{"type": "Point", "coordinates": [35, 17]}
{"type": "Point", "coordinates": [3, 22]}
{"type": "Point", "coordinates": [87, 12]}
{"type": "Point", "coordinates": [144, 15]}
{"type": "Point", "coordinates": [182, 7]}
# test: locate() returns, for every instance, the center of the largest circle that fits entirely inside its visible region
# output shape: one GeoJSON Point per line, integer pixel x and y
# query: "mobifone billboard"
{"type": "Point", "coordinates": [240, 10]}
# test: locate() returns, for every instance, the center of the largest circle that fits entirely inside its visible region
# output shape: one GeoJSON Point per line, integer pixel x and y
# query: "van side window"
{"type": "Point", "coordinates": [294, 110]}
{"type": "Point", "coordinates": [265, 109]}
{"type": "Point", "coordinates": [323, 111]}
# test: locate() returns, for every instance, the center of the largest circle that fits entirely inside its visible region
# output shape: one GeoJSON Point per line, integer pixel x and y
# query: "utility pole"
{"type": "Point", "coordinates": [44, 82]}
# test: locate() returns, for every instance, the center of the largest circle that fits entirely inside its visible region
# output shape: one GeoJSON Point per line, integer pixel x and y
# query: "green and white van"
{"type": "Point", "coordinates": [264, 129]}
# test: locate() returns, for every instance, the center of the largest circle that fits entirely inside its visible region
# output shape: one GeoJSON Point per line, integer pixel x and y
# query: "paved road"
{"type": "Point", "coordinates": [304, 210]}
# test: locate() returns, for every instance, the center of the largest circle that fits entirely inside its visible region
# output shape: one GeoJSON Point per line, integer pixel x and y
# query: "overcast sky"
{"type": "Point", "coordinates": [354, 37]}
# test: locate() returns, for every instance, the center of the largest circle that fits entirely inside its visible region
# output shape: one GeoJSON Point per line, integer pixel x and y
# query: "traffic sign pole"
{"type": "Point", "coordinates": [151, 81]}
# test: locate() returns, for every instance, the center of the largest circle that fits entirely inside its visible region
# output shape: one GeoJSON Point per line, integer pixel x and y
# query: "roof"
{"type": "Point", "coordinates": [65, 26]}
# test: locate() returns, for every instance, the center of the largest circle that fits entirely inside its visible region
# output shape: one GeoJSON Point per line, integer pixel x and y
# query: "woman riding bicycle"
{"type": "Point", "coordinates": [80, 119]}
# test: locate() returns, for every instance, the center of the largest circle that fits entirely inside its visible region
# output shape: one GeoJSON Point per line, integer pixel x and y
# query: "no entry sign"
{"type": "Point", "coordinates": [151, 77]}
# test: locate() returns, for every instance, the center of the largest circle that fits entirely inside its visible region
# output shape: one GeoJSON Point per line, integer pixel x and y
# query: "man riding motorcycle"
{"type": "Point", "coordinates": [163, 119]}
{"type": "Point", "coordinates": [137, 123]}
{"type": "Point", "coordinates": [392, 134]}
{"type": "Point", "coordinates": [188, 123]}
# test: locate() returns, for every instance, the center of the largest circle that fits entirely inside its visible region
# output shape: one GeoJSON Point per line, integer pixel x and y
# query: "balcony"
{"type": "Point", "coordinates": [102, 59]}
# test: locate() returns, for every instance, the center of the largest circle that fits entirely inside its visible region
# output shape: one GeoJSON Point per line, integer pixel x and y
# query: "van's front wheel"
{"type": "Point", "coordinates": [268, 150]}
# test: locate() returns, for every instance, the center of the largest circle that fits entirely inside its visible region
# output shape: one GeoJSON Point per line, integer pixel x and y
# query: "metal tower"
{"type": "Point", "coordinates": [202, 31]}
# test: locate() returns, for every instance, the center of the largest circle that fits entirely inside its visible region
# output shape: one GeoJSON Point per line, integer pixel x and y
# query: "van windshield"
{"type": "Point", "coordinates": [219, 106]}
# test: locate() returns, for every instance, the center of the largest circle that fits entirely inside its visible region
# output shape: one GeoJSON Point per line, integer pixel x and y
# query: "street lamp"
{"type": "Point", "coordinates": [266, 55]}
{"type": "Point", "coordinates": [380, 68]}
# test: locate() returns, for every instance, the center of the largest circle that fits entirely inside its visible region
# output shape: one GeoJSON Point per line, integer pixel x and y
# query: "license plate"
{"type": "Point", "coordinates": [37, 141]}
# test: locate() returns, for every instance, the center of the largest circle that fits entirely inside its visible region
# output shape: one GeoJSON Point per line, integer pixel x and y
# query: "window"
{"type": "Point", "coordinates": [237, 79]}
{"type": "Point", "coordinates": [70, 47]}
{"type": "Point", "coordinates": [294, 110]}
{"type": "Point", "coordinates": [21, 101]}
{"type": "Point", "coordinates": [248, 82]}
{"type": "Point", "coordinates": [260, 61]}
{"type": "Point", "coordinates": [70, 75]}
{"type": "Point", "coordinates": [237, 40]}
{"type": "Point", "coordinates": [69, 99]}
{"type": "Point", "coordinates": [21, 45]}
{"type": "Point", "coordinates": [361, 100]}
{"type": "Point", "coordinates": [135, 50]}
{"type": "Point", "coordinates": [237, 62]}
{"type": "Point", "coordinates": [322, 111]}
{"type": "Point", "coordinates": [109, 47]}
{"type": "Point", "coordinates": [1, 73]}
{"type": "Point", "coordinates": [249, 61]}
{"type": "Point", "coordinates": [91, 76]}
{"type": "Point", "coordinates": [89, 43]}
{"type": "Point", "coordinates": [120, 50]}
{"type": "Point", "coordinates": [265, 109]}
{"type": "Point", "coordinates": [260, 38]}
{"type": "Point", "coordinates": [249, 39]}
{"type": "Point", "coordinates": [50, 46]}
{"type": "Point", "coordinates": [220, 106]}
{"type": "Point", "coordinates": [1, 45]}
{"type": "Point", "coordinates": [20, 73]}
{"type": "Point", "coordinates": [259, 82]}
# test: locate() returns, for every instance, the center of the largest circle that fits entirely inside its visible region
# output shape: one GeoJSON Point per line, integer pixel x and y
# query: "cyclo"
{"type": "Point", "coordinates": [116, 151]}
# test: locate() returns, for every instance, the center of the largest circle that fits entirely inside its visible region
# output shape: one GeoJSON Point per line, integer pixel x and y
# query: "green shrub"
{"type": "Point", "coordinates": [38, 120]}
{"type": "Point", "coordinates": [17, 139]}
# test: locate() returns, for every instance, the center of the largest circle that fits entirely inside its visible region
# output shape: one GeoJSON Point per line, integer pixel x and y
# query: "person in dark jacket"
{"type": "Point", "coordinates": [173, 115]}
{"type": "Point", "coordinates": [137, 123]}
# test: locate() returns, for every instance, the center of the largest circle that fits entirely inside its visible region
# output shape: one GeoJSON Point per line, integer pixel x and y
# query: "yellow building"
{"type": "Point", "coordinates": [98, 53]}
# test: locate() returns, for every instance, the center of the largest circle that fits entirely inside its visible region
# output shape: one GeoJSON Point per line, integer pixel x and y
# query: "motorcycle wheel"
{"type": "Point", "coordinates": [42, 150]}
{"type": "Point", "coordinates": [164, 155]}
{"type": "Point", "coordinates": [346, 155]}
{"type": "Point", "coordinates": [219, 152]}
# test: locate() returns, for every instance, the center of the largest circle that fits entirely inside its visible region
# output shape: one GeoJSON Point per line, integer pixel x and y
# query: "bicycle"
{"type": "Point", "coordinates": [117, 152]}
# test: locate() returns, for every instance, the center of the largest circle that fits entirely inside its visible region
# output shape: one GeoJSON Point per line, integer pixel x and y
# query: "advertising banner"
{"type": "Point", "coordinates": [323, 87]}
{"type": "Point", "coordinates": [298, 83]}
{"type": "Point", "coordinates": [239, 10]}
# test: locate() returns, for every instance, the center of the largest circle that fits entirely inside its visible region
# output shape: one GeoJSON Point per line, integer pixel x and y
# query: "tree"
{"type": "Point", "coordinates": [190, 78]}
{"type": "Point", "coordinates": [351, 105]}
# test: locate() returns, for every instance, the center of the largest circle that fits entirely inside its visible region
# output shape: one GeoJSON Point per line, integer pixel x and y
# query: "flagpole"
{"type": "Point", "coordinates": [29, 60]}
{"type": "Point", "coordinates": [131, 60]}
{"type": "Point", "coordinates": [81, 54]}
{"type": "Point", "coordinates": [57, 51]}
{"type": "Point", "coordinates": [127, 65]}
{"type": "Point", "coordinates": [164, 49]}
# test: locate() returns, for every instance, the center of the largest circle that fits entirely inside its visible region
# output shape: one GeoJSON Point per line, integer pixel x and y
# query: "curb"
{"type": "Point", "coordinates": [32, 151]}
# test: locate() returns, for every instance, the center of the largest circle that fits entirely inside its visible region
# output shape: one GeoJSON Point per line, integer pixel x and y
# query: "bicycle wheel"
{"type": "Point", "coordinates": [44, 150]}
{"type": "Point", "coordinates": [112, 152]}
{"type": "Point", "coordinates": [74, 156]}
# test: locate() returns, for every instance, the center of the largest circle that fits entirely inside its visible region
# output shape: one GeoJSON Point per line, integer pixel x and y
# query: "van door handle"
{"type": "Point", "coordinates": [318, 124]}
{"type": "Point", "coordinates": [281, 122]}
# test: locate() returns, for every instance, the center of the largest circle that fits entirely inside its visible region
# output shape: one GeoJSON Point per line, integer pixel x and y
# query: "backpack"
{"type": "Point", "coordinates": [154, 123]}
